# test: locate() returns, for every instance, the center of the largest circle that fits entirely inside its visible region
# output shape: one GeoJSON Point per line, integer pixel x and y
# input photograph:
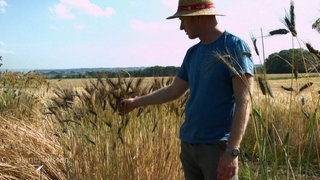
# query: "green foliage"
{"type": "Point", "coordinates": [158, 71]}
{"type": "Point", "coordinates": [155, 71]}
{"type": "Point", "coordinates": [287, 61]}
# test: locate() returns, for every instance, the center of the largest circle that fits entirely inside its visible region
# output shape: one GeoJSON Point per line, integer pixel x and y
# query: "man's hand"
{"type": "Point", "coordinates": [126, 106]}
{"type": "Point", "coordinates": [227, 166]}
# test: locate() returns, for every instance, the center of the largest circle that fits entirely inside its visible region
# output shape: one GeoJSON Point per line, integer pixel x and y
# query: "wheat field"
{"type": "Point", "coordinates": [70, 129]}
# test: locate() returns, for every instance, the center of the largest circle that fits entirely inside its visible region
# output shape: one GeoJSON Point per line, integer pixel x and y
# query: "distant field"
{"type": "Point", "coordinates": [73, 83]}
{"type": "Point", "coordinates": [68, 83]}
{"type": "Point", "coordinates": [288, 76]}
{"type": "Point", "coordinates": [275, 80]}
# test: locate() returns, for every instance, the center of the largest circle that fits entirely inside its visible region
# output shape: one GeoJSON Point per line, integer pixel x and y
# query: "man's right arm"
{"type": "Point", "coordinates": [163, 95]}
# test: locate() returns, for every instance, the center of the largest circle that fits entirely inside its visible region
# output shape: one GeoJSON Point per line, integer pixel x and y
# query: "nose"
{"type": "Point", "coordinates": [181, 26]}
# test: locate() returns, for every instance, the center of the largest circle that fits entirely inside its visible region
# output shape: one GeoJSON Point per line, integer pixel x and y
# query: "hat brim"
{"type": "Point", "coordinates": [202, 12]}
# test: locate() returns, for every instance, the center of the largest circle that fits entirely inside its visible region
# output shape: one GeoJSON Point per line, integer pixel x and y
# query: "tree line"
{"type": "Point", "coordinates": [154, 71]}
{"type": "Point", "coordinates": [286, 61]}
{"type": "Point", "coordinates": [283, 62]}
{"type": "Point", "coordinates": [293, 60]}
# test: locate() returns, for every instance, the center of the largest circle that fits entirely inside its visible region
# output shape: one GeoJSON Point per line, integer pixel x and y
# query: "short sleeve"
{"type": "Point", "coordinates": [240, 58]}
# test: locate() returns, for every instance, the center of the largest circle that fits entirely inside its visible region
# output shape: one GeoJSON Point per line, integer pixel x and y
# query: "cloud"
{"type": "Point", "coordinates": [3, 6]}
{"type": "Point", "coordinates": [66, 9]}
{"type": "Point", "coordinates": [2, 44]}
{"type": "Point", "coordinates": [3, 51]}
{"type": "Point", "coordinates": [62, 11]}
{"type": "Point", "coordinates": [79, 26]}
{"type": "Point", "coordinates": [53, 27]}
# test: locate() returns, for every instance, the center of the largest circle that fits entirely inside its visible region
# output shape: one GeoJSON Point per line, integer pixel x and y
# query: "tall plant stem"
{"type": "Point", "coordinates": [262, 145]}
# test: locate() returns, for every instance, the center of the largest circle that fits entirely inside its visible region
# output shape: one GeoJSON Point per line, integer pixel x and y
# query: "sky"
{"type": "Point", "coordinates": [63, 34]}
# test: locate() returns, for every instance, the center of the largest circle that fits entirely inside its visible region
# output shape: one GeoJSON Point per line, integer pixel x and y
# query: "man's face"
{"type": "Point", "coordinates": [190, 25]}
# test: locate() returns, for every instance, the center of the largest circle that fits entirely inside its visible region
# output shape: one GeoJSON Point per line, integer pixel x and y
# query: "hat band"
{"type": "Point", "coordinates": [195, 7]}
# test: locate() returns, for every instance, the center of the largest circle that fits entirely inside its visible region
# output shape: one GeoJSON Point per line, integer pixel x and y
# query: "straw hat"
{"type": "Point", "coordinates": [195, 8]}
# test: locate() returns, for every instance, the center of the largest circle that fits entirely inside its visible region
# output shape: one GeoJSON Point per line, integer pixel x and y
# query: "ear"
{"type": "Point", "coordinates": [200, 19]}
{"type": "Point", "coordinates": [207, 19]}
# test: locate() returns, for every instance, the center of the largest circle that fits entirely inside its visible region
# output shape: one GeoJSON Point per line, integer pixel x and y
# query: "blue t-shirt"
{"type": "Point", "coordinates": [211, 104]}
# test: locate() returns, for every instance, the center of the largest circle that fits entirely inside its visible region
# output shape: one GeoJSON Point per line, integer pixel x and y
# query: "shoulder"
{"type": "Point", "coordinates": [233, 40]}
{"type": "Point", "coordinates": [192, 48]}
{"type": "Point", "coordinates": [232, 37]}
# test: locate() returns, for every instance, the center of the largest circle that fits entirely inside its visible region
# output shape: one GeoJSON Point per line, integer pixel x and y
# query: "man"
{"type": "Point", "coordinates": [219, 73]}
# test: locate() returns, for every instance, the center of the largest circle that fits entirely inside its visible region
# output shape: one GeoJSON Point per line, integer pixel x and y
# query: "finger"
{"type": "Point", "coordinates": [122, 108]}
{"type": "Point", "coordinates": [226, 173]}
{"type": "Point", "coordinates": [220, 172]}
{"type": "Point", "coordinates": [229, 174]}
{"type": "Point", "coordinates": [222, 175]}
{"type": "Point", "coordinates": [233, 173]}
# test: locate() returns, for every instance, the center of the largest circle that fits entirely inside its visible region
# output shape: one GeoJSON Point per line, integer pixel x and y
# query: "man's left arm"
{"type": "Point", "coordinates": [242, 87]}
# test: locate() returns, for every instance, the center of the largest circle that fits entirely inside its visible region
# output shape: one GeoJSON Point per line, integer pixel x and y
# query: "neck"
{"type": "Point", "coordinates": [211, 36]}
{"type": "Point", "coordinates": [210, 30]}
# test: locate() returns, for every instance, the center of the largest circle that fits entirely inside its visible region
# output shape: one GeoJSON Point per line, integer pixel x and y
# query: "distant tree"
{"type": "Point", "coordinates": [160, 71]}
{"type": "Point", "coordinates": [259, 68]}
{"type": "Point", "coordinates": [146, 72]}
{"type": "Point", "coordinates": [288, 61]}
{"type": "Point", "coordinates": [58, 76]}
